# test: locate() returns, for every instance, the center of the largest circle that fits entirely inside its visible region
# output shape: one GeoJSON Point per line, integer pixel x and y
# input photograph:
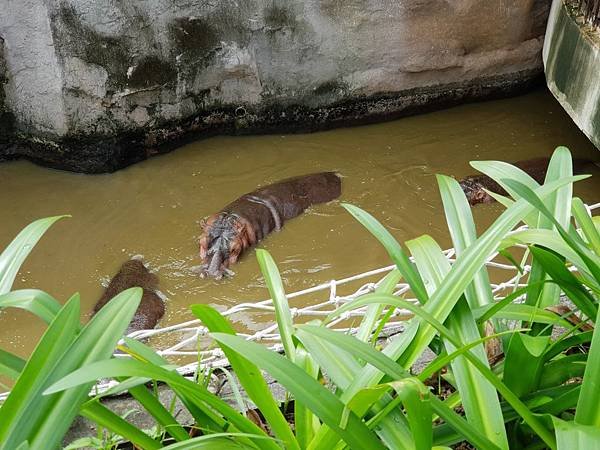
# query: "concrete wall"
{"type": "Point", "coordinates": [94, 85]}
{"type": "Point", "coordinates": [572, 65]}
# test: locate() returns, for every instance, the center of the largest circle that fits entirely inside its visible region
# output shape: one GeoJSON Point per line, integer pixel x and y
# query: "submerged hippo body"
{"type": "Point", "coordinates": [247, 220]}
{"type": "Point", "coordinates": [133, 273]}
{"type": "Point", "coordinates": [474, 186]}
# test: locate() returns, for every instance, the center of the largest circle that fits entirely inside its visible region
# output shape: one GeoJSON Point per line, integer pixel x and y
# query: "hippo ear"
{"type": "Point", "coordinates": [208, 221]}
{"type": "Point", "coordinates": [481, 196]}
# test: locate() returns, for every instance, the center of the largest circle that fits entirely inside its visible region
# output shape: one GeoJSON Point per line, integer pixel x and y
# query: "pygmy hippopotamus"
{"type": "Point", "coordinates": [134, 273]}
{"type": "Point", "coordinates": [244, 222]}
{"type": "Point", "coordinates": [473, 186]}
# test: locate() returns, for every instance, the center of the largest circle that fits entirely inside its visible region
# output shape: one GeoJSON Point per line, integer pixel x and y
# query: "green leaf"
{"type": "Point", "coordinates": [416, 399]}
{"type": "Point", "coordinates": [96, 341]}
{"type": "Point", "coordinates": [587, 412]}
{"type": "Point", "coordinates": [306, 423]}
{"type": "Point", "coordinates": [557, 270]}
{"type": "Point", "coordinates": [104, 417]}
{"type": "Point", "coordinates": [523, 362]}
{"type": "Point", "coordinates": [394, 371]}
{"type": "Point", "coordinates": [307, 390]}
{"type": "Point", "coordinates": [571, 435]}
{"type": "Point", "coordinates": [586, 224]}
{"type": "Point", "coordinates": [559, 204]}
{"type": "Point", "coordinates": [549, 239]}
{"type": "Point", "coordinates": [249, 376]}
{"type": "Point", "coordinates": [508, 395]}
{"type": "Point", "coordinates": [35, 301]}
{"type": "Point", "coordinates": [479, 397]}
{"type": "Point", "coordinates": [591, 260]}
{"type": "Point", "coordinates": [16, 252]}
{"type": "Point", "coordinates": [560, 370]}
{"type": "Point", "coordinates": [405, 266]}
{"type": "Point", "coordinates": [156, 409]}
{"type": "Point", "coordinates": [341, 367]}
{"type": "Point", "coordinates": [142, 352]}
{"type": "Point", "coordinates": [10, 365]}
{"type": "Point", "coordinates": [525, 313]}
{"type": "Point", "coordinates": [193, 393]}
{"type": "Point", "coordinates": [213, 441]}
{"type": "Point", "coordinates": [282, 309]}
{"type": "Point", "coordinates": [25, 399]}
{"type": "Point", "coordinates": [462, 230]}
{"type": "Point", "coordinates": [443, 360]}
{"type": "Point", "coordinates": [368, 323]}
{"type": "Point", "coordinates": [561, 345]}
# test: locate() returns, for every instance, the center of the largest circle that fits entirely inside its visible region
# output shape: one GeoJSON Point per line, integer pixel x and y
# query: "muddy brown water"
{"type": "Point", "coordinates": [153, 208]}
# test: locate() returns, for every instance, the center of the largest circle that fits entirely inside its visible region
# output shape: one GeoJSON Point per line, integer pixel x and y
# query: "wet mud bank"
{"type": "Point", "coordinates": [102, 154]}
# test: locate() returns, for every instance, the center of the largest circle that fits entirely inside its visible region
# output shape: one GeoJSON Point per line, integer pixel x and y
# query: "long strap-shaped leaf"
{"type": "Point", "coordinates": [307, 390]}
{"type": "Point", "coordinates": [396, 372]}
{"type": "Point", "coordinates": [409, 345]}
{"type": "Point", "coordinates": [25, 397]}
{"type": "Point", "coordinates": [508, 395]}
{"type": "Point", "coordinates": [104, 417]}
{"type": "Point", "coordinates": [16, 252]}
{"type": "Point", "coordinates": [462, 230]}
{"type": "Point", "coordinates": [96, 341]}
{"type": "Point", "coordinates": [35, 301]}
{"type": "Point", "coordinates": [405, 266]}
{"type": "Point", "coordinates": [11, 365]}
{"type": "Point", "coordinates": [479, 397]}
{"type": "Point", "coordinates": [282, 309]}
{"type": "Point", "coordinates": [194, 393]}
{"type": "Point", "coordinates": [587, 412]}
{"type": "Point", "coordinates": [249, 376]}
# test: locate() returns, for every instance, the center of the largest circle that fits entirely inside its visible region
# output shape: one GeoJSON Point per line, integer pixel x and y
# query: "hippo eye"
{"type": "Point", "coordinates": [235, 248]}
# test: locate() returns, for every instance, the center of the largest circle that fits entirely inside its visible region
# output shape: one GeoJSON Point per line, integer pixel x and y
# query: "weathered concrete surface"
{"type": "Point", "coordinates": [94, 85]}
{"type": "Point", "coordinates": [572, 64]}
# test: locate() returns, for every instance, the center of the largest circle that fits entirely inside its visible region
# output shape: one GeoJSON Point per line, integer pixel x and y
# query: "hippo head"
{"type": "Point", "coordinates": [224, 239]}
{"type": "Point", "coordinates": [475, 192]}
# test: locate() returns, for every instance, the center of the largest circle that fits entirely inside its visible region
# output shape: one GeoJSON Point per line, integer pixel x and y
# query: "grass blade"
{"type": "Point", "coordinates": [368, 323]}
{"type": "Point", "coordinates": [524, 362]}
{"type": "Point", "coordinates": [462, 231]}
{"type": "Point", "coordinates": [306, 423]}
{"type": "Point", "coordinates": [514, 401]}
{"type": "Point", "coordinates": [416, 399]}
{"type": "Point", "coordinates": [212, 442]}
